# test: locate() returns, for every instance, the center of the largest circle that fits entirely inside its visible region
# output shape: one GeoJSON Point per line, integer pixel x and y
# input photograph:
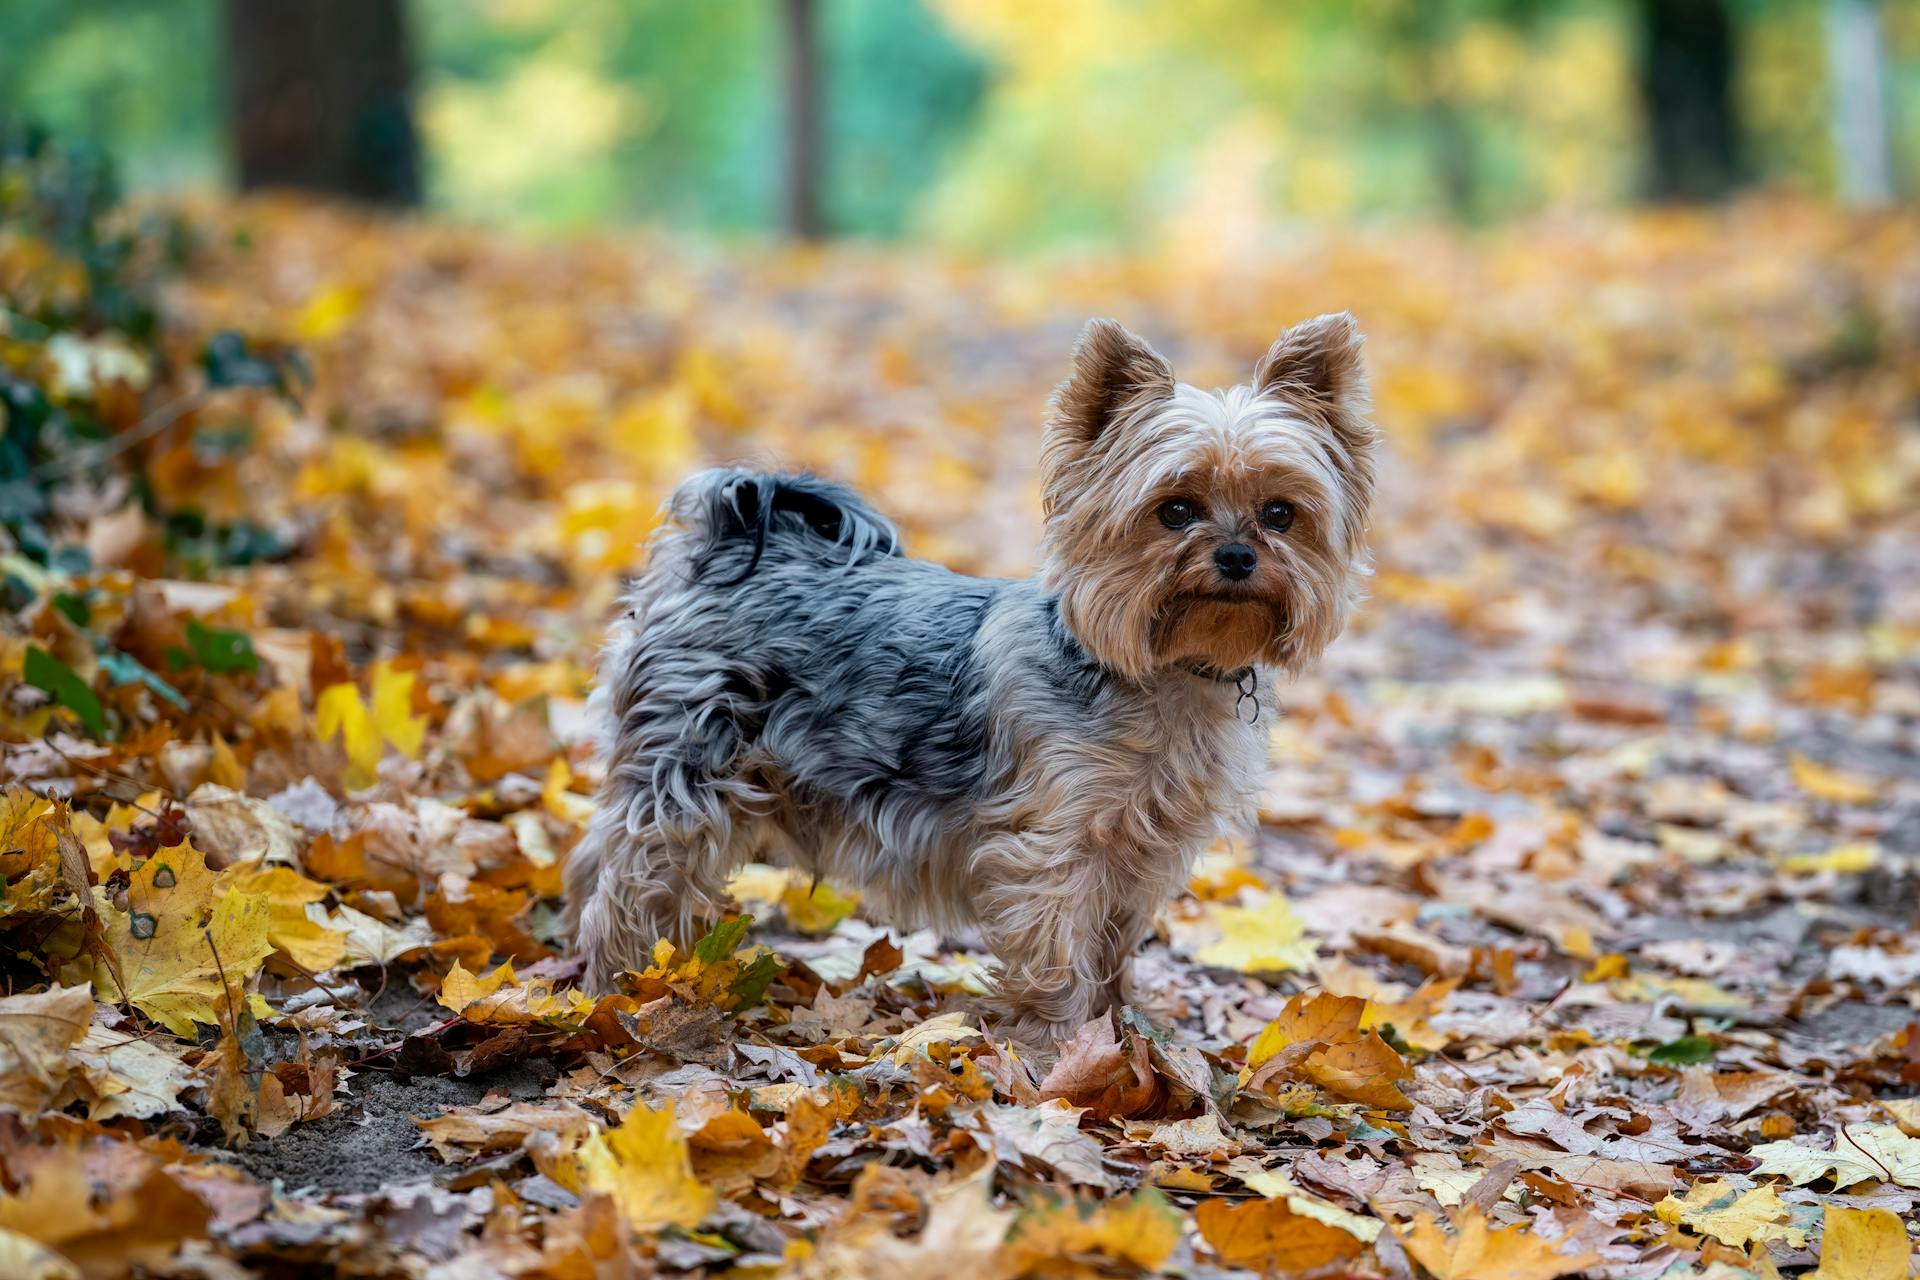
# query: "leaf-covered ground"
{"type": "Point", "coordinates": [1579, 934]}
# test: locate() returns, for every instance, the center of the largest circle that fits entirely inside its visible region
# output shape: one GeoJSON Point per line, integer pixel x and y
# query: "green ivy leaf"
{"type": "Point", "coordinates": [722, 941]}
{"type": "Point", "coordinates": [221, 652]}
{"type": "Point", "coordinates": [48, 673]}
{"type": "Point", "coordinates": [1684, 1052]}
{"type": "Point", "coordinates": [750, 988]}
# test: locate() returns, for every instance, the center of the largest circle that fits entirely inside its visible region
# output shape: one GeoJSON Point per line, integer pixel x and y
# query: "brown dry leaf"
{"type": "Point", "coordinates": [121, 1074]}
{"type": "Point", "coordinates": [460, 1133]}
{"type": "Point", "coordinates": [959, 1237]}
{"type": "Point", "coordinates": [105, 1207]}
{"type": "Point", "coordinates": [1108, 1078]}
{"type": "Point", "coordinates": [731, 1150]}
{"type": "Point", "coordinates": [1266, 1235]}
{"type": "Point", "coordinates": [1319, 1037]}
{"type": "Point", "coordinates": [1478, 1251]}
{"type": "Point", "coordinates": [36, 1031]}
{"type": "Point", "coordinates": [232, 827]}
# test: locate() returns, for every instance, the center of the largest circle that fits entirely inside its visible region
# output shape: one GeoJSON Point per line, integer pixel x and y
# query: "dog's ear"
{"type": "Point", "coordinates": [1115, 373]}
{"type": "Point", "coordinates": [1317, 363]}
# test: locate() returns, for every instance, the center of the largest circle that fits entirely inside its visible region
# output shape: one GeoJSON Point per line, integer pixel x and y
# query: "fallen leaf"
{"type": "Point", "coordinates": [36, 1031]}
{"type": "Point", "coordinates": [943, 1028]}
{"type": "Point", "coordinates": [1097, 1072]}
{"type": "Point", "coordinates": [121, 1074]}
{"type": "Point", "coordinates": [643, 1164]}
{"type": "Point", "coordinates": [312, 944]}
{"type": "Point", "coordinates": [1860, 1153]}
{"type": "Point", "coordinates": [1864, 1244]}
{"type": "Point", "coordinates": [1138, 1231]}
{"type": "Point", "coordinates": [1267, 1235]}
{"type": "Point", "coordinates": [181, 943]}
{"type": "Point", "coordinates": [1262, 937]}
{"type": "Point", "coordinates": [1479, 1251]}
{"type": "Point", "coordinates": [1731, 1216]}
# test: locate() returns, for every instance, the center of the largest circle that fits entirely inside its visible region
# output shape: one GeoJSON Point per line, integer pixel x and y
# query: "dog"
{"type": "Point", "coordinates": [1040, 759]}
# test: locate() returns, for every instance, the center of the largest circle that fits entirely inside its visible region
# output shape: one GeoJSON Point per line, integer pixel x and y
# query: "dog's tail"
{"type": "Point", "coordinates": [738, 517]}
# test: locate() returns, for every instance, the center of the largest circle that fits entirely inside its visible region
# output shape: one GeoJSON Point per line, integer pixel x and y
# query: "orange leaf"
{"type": "Point", "coordinates": [1265, 1235]}
{"type": "Point", "coordinates": [1479, 1251]}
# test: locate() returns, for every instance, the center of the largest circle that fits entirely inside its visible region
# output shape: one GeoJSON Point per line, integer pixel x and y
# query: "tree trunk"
{"type": "Point", "coordinates": [802, 40]}
{"type": "Point", "coordinates": [1862, 163]}
{"type": "Point", "coordinates": [320, 98]}
{"type": "Point", "coordinates": [1687, 63]}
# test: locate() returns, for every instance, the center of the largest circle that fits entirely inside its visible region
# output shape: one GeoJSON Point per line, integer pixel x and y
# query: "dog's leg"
{"type": "Point", "coordinates": [1043, 915]}
{"type": "Point", "coordinates": [1124, 930]}
{"type": "Point", "coordinates": [635, 879]}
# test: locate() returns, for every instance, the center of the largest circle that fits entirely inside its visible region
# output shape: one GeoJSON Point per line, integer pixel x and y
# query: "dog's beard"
{"type": "Point", "coordinates": [1224, 630]}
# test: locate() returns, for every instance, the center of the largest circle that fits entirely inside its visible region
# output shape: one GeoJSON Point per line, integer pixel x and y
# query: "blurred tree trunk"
{"type": "Point", "coordinates": [802, 142]}
{"type": "Point", "coordinates": [319, 98]}
{"type": "Point", "coordinates": [1688, 57]}
{"type": "Point", "coordinates": [1858, 78]}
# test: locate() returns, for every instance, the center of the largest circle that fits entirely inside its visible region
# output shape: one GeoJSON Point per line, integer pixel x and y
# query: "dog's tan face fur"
{"type": "Point", "coordinates": [1145, 480]}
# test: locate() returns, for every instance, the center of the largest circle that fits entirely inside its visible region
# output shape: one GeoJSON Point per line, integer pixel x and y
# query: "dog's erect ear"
{"type": "Point", "coordinates": [1114, 372]}
{"type": "Point", "coordinates": [1317, 363]}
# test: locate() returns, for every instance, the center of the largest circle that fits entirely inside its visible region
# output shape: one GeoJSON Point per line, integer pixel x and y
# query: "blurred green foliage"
{"type": "Point", "coordinates": [991, 123]}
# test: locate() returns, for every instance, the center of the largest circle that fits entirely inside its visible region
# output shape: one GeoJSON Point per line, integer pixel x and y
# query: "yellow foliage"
{"type": "Point", "coordinates": [643, 1165]}
{"type": "Point", "coordinates": [183, 941]}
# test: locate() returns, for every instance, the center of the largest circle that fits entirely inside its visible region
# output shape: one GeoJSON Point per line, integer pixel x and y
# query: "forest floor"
{"type": "Point", "coordinates": [1579, 934]}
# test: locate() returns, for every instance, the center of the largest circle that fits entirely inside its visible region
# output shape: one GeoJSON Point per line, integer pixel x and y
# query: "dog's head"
{"type": "Point", "coordinates": [1210, 528]}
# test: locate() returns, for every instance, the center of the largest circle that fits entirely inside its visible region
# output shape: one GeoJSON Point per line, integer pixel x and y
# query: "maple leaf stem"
{"type": "Point", "coordinates": [1853, 1142]}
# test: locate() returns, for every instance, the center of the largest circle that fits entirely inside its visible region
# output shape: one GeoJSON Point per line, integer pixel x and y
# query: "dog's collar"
{"type": "Point", "coordinates": [1246, 681]}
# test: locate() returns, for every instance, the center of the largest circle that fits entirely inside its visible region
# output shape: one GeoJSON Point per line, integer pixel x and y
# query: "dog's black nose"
{"type": "Point", "coordinates": [1235, 561]}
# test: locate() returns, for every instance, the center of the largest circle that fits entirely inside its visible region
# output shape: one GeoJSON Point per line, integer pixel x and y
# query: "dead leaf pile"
{"type": "Point", "coordinates": [1578, 936]}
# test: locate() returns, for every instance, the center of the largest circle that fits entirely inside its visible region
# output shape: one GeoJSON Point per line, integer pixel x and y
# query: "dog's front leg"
{"type": "Point", "coordinates": [1046, 919]}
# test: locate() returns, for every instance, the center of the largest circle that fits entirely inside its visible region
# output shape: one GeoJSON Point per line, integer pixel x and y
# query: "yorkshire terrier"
{"type": "Point", "coordinates": [1042, 759]}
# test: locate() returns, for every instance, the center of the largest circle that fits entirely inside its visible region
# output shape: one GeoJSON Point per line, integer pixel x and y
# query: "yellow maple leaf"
{"type": "Point", "coordinates": [816, 908]}
{"type": "Point", "coordinates": [1479, 1251]}
{"type": "Point", "coordinates": [1265, 937]}
{"type": "Point", "coordinates": [30, 829]}
{"type": "Point", "coordinates": [393, 713]}
{"type": "Point", "coordinates": [1722, 1211]}
{"type": "Point", "coordinates": [339, 710]}
{"type": "Point", "coordinates": [1864, 1244]}
{"type": "Point", "coordinates": [307, 942]}
{"type": "Point", "coordinates": [180, 943]}
{"type": "Point", "coordinates": [1140, 1230]}
{"type": "Point", "coordinates": [327, 312]}
{"type": "Point", "coordinates": [644, 1166]}
{"type": "Point", "coordinates": [500, 997]}
{"type": "Point", "coordinates": [1308, 1018]}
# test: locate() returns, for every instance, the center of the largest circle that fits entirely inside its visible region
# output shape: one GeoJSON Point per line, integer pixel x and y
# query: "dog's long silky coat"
{"type": "Point", "coordinates": [1040, 758]}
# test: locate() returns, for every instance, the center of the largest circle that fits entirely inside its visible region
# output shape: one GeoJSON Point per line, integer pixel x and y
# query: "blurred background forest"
{"type": "Point", "coordinates": [985, 124]}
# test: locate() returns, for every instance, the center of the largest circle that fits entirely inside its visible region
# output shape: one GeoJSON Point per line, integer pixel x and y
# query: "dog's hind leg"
{"type": "Point", "coordinates": [669, 830]}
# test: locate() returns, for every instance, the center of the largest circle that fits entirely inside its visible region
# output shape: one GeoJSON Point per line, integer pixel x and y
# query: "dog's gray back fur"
{"type": "Point", "coordinates": [783, 684]}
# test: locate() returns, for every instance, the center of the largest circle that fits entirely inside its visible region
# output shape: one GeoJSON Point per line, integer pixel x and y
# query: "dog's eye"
{"type": "Point", "coordinates": [1178, 513]}
{"type": "Point", "coordinates": [1277, 515]}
